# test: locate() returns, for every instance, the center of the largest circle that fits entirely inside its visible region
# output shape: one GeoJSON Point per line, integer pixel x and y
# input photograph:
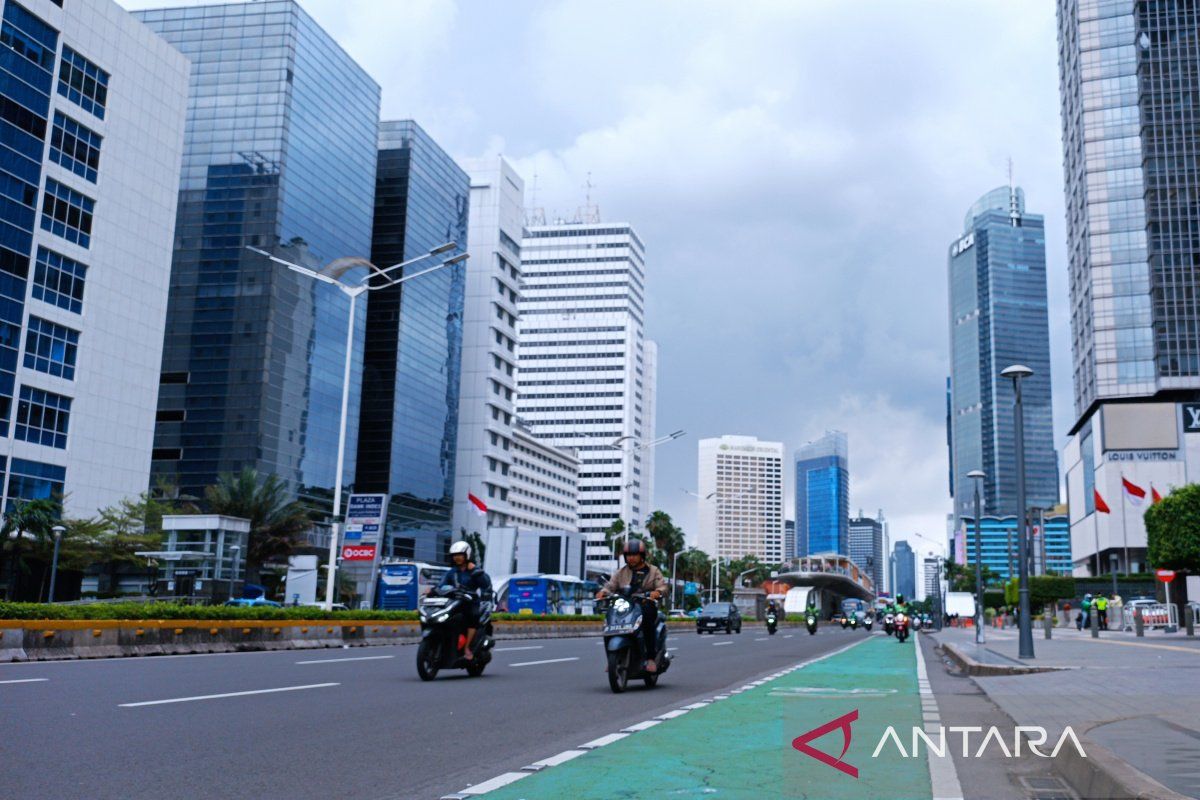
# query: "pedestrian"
{"type": "Point", "coordinates": [1102, 611]}
{"type": "Point", "coordinates": [1087, 610]}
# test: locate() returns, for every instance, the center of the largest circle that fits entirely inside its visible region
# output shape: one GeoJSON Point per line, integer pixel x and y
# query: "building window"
{"type": "Point", "coordinates": [33, 480]}
{"type": "Point", "coordinates": [82, 82]}
{"type": "Point", "coordinates": [42, 417]}
{"type": "Point", "coordinates": [67, 213]}
{"type": "Point", "coordinates": [28, 36]}
{"type": "Point", "coordinates": [51, 348]}
{"type": "Point", "coordinates": [58, 280]}
{"type": "Point", "coordinates": [75, 147]}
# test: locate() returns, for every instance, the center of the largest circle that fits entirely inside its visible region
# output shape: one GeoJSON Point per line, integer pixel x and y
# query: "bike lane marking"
{"type": "Point", "coordinates": [943, 775]}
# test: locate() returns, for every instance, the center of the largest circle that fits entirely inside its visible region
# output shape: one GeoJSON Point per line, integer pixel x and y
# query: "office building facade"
{"type": "Point", "coordinates": [998, 318]}
{"type": "Point", "coordinates": [1050, 543]}
{"type": "Point", "coordinates": [583, 367]}
{"type": "Point", "coordinates": [904, 570]}
{"type": "Point", "coordinates": [865, 545]}
{"type": "Point", "coordinates": [789, 540]}
{"type": "Point", "coordinates": [545, 490]}
{"type": "Point", "coordinates": [252, 367]}
{"type": "Point", "coordinates": [931, 571]}
{"type": "Point", "coordinates": [823, 495]}
{"type": "Point", "coordinates": [92, 107]}
{"type": "Point", "coordinates": [740, 508]}
{"type": "Point", "coordinates": [412, 356]}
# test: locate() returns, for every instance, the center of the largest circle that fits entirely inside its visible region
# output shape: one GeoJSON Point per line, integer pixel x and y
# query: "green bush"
{"type": "Point", "coordinates": [131, 611]}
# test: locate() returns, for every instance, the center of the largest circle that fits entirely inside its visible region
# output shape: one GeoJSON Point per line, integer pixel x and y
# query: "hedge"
{"type": "Point", "coordinates": [132, 611]}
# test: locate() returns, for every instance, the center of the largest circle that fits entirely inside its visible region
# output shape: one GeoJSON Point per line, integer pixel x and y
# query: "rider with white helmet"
{"type": "Point", "coordinates": [465, 574]}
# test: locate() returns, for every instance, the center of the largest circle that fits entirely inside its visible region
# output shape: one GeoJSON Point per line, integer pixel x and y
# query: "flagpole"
{"type": "Point", "coordinates": [1124, 523]}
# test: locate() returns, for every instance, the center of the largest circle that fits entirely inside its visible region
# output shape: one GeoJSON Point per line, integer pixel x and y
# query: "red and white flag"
{"type": "Point", "coordinates": [1101, 506]}
{"type": "Point", "coordinates": [1154, 495]}
{"type": "Point", "coordinates": [480, 506]}
{"type": "Point", "coordinates": [1135, 493]}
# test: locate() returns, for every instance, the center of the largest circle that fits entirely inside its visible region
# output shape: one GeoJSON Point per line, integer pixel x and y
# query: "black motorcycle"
{"type": "Point", "coordinates": [889, 623]}
{"type": "Point", "coordinates": [624, 645]}
{"type": "Point", "coordinates": [772, 623]}
{"type": "Point", "coordinates": [443, 616]}
{"type": "Point", "coordinates": [868, 621]}
{"type": "Point", "coordinates": [810, 621]}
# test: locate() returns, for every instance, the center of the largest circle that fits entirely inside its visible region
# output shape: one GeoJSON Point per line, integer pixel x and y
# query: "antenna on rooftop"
{"type": "Point", "coordinates": [589, 213]}
{"type": "Point", "coordinates": [1014, 210]}
{"type": "Point", "coordinates": [535, 214]}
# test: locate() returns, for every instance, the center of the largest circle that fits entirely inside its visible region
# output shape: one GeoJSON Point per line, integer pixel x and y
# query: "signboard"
{"type": "Point", "coordinates": [1165, 575]}
{"type": "Point", "coordinates": [358, 552]}
{"type": "Point", "coordinates": [397, 588]}
{"type": "Point", "coordinates": [1191, 417]}
{"type": "Point", "coordinates": [365, 516]}
{"type": "Point", "coordinates": [691, 587]}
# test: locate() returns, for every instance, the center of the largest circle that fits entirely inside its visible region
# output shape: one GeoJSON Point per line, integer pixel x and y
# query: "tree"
{"type": "Point", "coordinates": [26, 520]}
{"type": "Point", "coordinates": [666, 537]}
{"type": "Point", "coordinates": [277, 522]}
{"type": "Point", "coordinates": [961, 577]}
{"type": "Point", "coordinates": [1173, 530]}
{"type": "Point", "coordinates": [478, 548]}
{"type": "Point", "coordinates": [614, 535]}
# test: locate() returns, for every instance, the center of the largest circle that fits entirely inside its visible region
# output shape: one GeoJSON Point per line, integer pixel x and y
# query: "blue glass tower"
{"type": "Point", "coordinates": [823, 496]}
{"type": "Point", "coordinates": [904, 564]}
{"type": "Point", "coordinates": [413, 354]}
{"type": "Point", "coordinates": [1051, 549]}
{"type": "Point", "coordinates": [998, 317]}
{"type": "Point", "coordinates": [279, 153]}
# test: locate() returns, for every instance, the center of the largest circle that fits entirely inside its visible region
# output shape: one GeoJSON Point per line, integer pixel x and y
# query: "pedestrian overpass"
{"type": "Point", "coordinates": [832, 576]}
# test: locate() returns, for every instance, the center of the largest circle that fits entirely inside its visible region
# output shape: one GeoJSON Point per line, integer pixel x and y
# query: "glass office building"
{"type": "Point", "coordinates": [904, 570]}
{"type": "Point", "coordinates": [823, 495]}
{"type": "Point", "coordinates": [279, 153]}
{"type": "Point", "coordinates": [865, 547]}
{"type": "Point", "coordinates": [1050, 544]}
{"type": "Point", "coordinates": [412, 359]}
{"type": "Point", "coordinates": [998, 317]}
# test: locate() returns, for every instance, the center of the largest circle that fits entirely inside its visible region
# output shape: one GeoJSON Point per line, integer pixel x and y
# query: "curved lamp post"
{"type": "Point", "coordinates": [1017, 373]}
{"type": "Point", "coordinates": [58, 530]}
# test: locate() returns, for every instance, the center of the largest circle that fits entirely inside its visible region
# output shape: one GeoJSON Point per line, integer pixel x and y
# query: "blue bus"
{"type": "Point", "coordinates": [550, 594]}
{"type": "Point", "coordinates": [402, 584]}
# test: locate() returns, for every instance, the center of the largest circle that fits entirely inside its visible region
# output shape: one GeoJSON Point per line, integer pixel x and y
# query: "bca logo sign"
{"type": "Point", "coordinates": [1191, 417]}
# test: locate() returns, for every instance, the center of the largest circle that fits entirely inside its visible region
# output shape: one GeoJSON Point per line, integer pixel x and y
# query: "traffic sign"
{"type": "Point", "coordinates": [1165, 575]}
{"type": "Point", "coordinates": [690, 588]}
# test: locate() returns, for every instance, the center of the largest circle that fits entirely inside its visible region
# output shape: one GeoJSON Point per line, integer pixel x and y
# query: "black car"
{"type": "Point", "coordinates": [719, 617]}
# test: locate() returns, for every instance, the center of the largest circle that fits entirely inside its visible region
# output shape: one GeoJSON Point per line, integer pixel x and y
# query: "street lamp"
{"type": "Point", "coordinates": [1024, 624]}
{"type": "Point", "coordinates": [234, 549]}
{"type": "Point", "coordinates": [630, 443]}
{"type": "Point", "coordinates": [58, 530]}
{"type": "Point", "coordinates": [366, 284]}
{"type": "Point", "coordinates": [674, 578]}
{"type": "Point", "coordinates": [977, 475]}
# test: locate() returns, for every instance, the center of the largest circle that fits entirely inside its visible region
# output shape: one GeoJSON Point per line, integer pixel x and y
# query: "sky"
{"type": "Point", "coordinates": [797, 171]}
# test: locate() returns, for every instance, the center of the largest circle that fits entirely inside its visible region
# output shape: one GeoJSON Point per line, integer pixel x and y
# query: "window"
{"type": "Point", "coordinates": [28, 36]}
{"type": "Point", "coordinates": [67, 213]}
{"type": "Point", "coordinates": [82, 82]}
{"type": "Point", "coordinates": [42, 417]}
{"type": "Point", "coordinates": [33, 480]}
{"type": "Point", "coordinates": [51, 348]}
{"type": "Point", "coordinates": [75, 147]}
{"type": "Point", "coordinates": [58, 280]}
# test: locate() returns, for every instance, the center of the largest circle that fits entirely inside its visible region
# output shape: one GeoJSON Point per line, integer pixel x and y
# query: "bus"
{"type": "Point", "coordinates": [403, 583]}
{"type": "Point", "coordinates": [549, 594]}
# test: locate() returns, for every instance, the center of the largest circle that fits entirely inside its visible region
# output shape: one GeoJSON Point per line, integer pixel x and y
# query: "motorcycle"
{"type": "Point", "coordinates": [810, 622]}
{"type": "Point", "coordinates": [623, 643]}
{"type": "Point", "coordinates": [889, 623]}
{"type": "Point", "coordinates": [853, 622]}
{"type": "Point", "coordinates": [926, 622]}
{"type": "Point", "coordinates": [845, 621]}
{"type": "Point", "coordinates": [901, 627]}
{"type": "Point", "coordinates": [771, 623]}
{"type": "Point", "coordinates": [868, 621]}
{"type": "Point", "coordinates": [443, 615]}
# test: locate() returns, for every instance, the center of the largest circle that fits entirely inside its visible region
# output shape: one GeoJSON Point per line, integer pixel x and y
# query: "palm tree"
{"type": "Point", "coordinates": [613, 534]}
{"type": "Point", "coordinates": [26, 519]}
{"type": "Point", "coordinates": [668, 539]}
{"type": "Point", "coordinates": [276, 521]}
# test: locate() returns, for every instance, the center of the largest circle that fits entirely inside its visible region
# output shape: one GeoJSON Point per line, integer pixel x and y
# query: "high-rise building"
{"type": "Point", "coordinates": [865, 546]}
{"type": "Point", "coordinates": [252, 366]}
{"type": "Point", "coordinates": [650, 420]}
{"type": "Point", "coordinates": [932, 577]}
{"type": "Point", "coordinates": [91, 118]}
{"type": "Point", "coordinates": [789, 540]}
{"type": "Point", "coordinates": [740, 508]}
{"type": "Point", "coordinates": [904, 570]}
{"type": "Point", "coordinates": [408, 427]}
{"type": "Point", "coordinates": [585, 381]}
{"type": "Point", "coordinates": [998, 318]}
{"type": "Point", "coordinates": [1050, 540]}
{"type": "Point", "coordinates": [487, 394]}
{"type": "Point", "coordinates": [545, 488]}
{"type": "Point", "coordinates": [823, 495]}
{"type": "Point", "coordinates": [1129, 81]}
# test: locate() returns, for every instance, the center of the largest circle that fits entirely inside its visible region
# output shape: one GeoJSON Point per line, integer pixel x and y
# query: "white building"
{"type": "Point", "coordinates": [583, 370]}
{"type": "Point", "coordinates": [740, 508]}
{"type": "Point", "coordinates": [545, 483]}
{"type": "Point", "coordinates": [93, 141]}
{"type": "Point", "coordinates": [931, 585]}
{"type": "Point", "coordinates": [487, 399]}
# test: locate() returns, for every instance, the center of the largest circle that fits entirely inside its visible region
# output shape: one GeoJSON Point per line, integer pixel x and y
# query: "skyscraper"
{"type": "Point", "coordinates": [865, 547]}
{"type": "Point", "coordinates": [823, 495]}
{"type": "Point", "coordinates": [92, 108]}
{"type": "Point", "coordinates": [789, 540]}
{"type": "Point", "coordinates": [904, 570]}
{"type": "Point", "coordinates": [998, 317]}
{"type": "Point", "coordinates": [932, 574]}
{"type": "Point", "coordinates": [413, 352]}
{"type": "Point", "coordinates": [740, 508]}
{"type": "Point", "coordinates": [583, 377]}
{"type": "Point", "coordinates": [487, 403]}
{"type": "Point", "coordinates": [254, 353]}
{"type": "Point", "coordinates": [1130, 83]}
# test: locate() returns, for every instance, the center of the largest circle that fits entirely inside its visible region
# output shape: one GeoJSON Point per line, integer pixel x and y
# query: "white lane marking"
{"type": "Point", "coordinates": [641, 726]}
{"type": "Point", "coordinates": [495, 783]}
{"type": "Point", "coordinates": [339, 660]}
{"type": "Point", "coordinates": [226, 694]}
{"type": "Point", "coordinates": [27, 680]}
{"type": "Point", "coordinates": [554, 761]}
{"type": "Point", "coordinates": [694, 706]}
{"type": "Point", "coordinates": [943, 775]}
{"type": "Point", "coordinates": [787, 636]}
{"type": "Point", "coordinates": [679, 712]}
{"type": "Point", "coordinates": [546, 661]}
{"type": "Point", "coordinates": [763, 639]}
{"type": "Point", "coordinates": [603, 740]}
{"type": "Point", "coordinates": [721, 644]}
{"type": "Point", "coordinates": [510, 649]}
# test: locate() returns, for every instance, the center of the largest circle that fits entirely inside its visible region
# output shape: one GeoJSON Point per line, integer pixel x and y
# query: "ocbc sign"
{"type": "Point", "coordinates": [358, 552]}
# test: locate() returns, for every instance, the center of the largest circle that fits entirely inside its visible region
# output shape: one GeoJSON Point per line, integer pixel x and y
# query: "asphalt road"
{"type": "Point", "coordinates": [354, 723]}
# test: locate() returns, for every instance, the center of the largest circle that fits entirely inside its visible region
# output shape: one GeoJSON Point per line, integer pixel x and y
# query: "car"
{"type": "Point", "coordinates": [719, 616]}
{"type": "Point", "coordinates": [677, 613]}
{"type": "Point", "coordinates": [250, 602]}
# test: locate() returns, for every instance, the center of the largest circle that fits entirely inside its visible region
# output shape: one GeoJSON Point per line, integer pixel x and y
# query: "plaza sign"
{"type": "Point", "coordinates": [365, 514]}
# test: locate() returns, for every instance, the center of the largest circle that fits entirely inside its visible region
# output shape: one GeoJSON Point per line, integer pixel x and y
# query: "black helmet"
{"type": "Point", "coordinates": [899, 598]}
{"type": "Point", "coordinates": [634, 546]}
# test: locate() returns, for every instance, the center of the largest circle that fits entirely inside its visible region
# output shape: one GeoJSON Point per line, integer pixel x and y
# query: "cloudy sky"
{"type": "Point", "coordinates": [797, 171]}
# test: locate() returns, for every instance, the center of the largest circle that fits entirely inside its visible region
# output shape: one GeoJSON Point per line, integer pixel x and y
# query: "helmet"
{"type": "Point", "coordinates": [461, 547]}
{"type": "Point", "coordinates": [899, 598]}
{"type": "Point", "coordinates": [634, 546]}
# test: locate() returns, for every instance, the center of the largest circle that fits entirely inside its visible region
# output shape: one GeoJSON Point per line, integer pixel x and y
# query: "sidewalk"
{"type": "Point", "coordinates": [1136, 697]}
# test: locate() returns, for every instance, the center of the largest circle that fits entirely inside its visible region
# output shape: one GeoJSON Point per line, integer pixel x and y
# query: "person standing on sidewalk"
{"type": "Point", "coordinates": [1087, 611]}
{"type": "Point", "coordinates": [1102, 610]}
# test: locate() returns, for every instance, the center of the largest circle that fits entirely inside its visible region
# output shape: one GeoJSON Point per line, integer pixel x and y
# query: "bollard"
{"type": "Point", "coordinates": [1189, 616]}
{"type": "Point", "coordinates": [1046, 624]}
{"type": "Point", "coordinates": [1139, 625]}
{"type": "Point", "coordinates": [1095, 620]}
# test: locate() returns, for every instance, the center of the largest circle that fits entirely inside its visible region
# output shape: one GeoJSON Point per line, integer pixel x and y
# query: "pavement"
{"type": "Point", "coordinates": [1137, 698]}
{"type": "Point", "coordinates": [353, 723]}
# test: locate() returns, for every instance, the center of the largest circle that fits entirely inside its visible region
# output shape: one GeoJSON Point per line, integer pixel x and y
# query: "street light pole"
{"type": "Point", "coordinates": [977, 476]}
{"type": "Point", "coordinates": [1025, 624]}
{"type": "Point", "coordinates": [59, 530]}
{"type": "Point", "coordinates": [234, 549]}
{"type": "Point", "coordinates": [674, 578]}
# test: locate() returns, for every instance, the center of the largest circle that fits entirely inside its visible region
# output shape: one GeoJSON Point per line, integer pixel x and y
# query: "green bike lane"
{"type": "Point", "coordinates": [742, 746]}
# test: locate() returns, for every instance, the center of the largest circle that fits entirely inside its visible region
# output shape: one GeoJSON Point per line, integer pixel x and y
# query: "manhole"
{"type": "Point", "coordinates": [1044, 787]}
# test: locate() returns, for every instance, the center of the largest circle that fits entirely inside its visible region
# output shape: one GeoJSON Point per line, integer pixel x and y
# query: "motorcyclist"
{"type": "Point", "coordinates": [640, 576]}
{"type": "Point", "coordinates": [900, 607]}
{"type": "Point", "coordinates": [464, 574]}
{"type": "Point", "coordinates": [773, 607]}
{"type": "Point", "coordinates": [812, 606]}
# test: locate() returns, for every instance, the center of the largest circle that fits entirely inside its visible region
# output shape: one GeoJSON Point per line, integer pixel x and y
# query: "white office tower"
{"type": "Point", "coordinates": [545, 484]}
{"type": "Point", "coordinates": [649, 416]}
{"type": "Point", "coordinates": [740, 508]}
{"type": "Point", "coordinates": [94, 113]}
{"type": "Point", "coordinates": [487, 392]}
{"type": "Point", "coordinates": [932, 574]}
{"type": "Point", "coordinates": [583, 377]}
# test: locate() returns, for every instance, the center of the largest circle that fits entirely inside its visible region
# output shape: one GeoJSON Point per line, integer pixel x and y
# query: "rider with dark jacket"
{"type": "Point", "coordinates": [464, 574]}
{"type": "Point", "coordinates": [639, 576]}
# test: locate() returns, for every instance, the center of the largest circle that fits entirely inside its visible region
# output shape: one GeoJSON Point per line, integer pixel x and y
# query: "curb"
{"type": "Point", "coordinates": [1104, 774]}
{"type": "Point", "coordinates": [977, 669]}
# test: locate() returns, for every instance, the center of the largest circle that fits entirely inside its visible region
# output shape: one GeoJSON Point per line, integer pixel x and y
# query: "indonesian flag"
{"type": "Point", "coordinates": [480, 506]}
{"type": "Point", "coordinates": [1101, 506]}
{"type": "Point", "coordinates": [1135, 493]}
{"type": "Point", "coordinates": [1154, 495]}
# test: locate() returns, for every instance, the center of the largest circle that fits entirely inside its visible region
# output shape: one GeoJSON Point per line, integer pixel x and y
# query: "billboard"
{"type": "Point", "coordinates": [365, 516]}
{"type": "Point", "coordinates": [397, 589]}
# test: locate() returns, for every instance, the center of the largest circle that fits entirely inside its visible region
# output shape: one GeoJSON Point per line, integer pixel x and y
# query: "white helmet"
{"type": "Point", "coordinates": [461, 547]}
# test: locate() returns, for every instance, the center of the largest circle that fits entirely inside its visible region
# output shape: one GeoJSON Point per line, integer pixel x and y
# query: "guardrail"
{"type": "Point", "coordinates": [1156, 615]}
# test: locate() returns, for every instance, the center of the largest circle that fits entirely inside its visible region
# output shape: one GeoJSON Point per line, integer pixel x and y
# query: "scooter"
{"type": "Point", "coordinates": [901, 627]}
{"type": "Point", "coordinates": [771, 623]}
{"type": "Point", "coordinates": [810, 622]}
{"type": "Point", "coordinates": [623, 644]}
{"type": "Point", "coordinates": [868, 621]}
{"type": "Point", "coordinates": [889, 623]}
{"type": "Point", "coordinates": [443, 615]}
{"type": "Point", "coordinates": [845, 621]}
{"type": "Point", "coordinates": [853, 622]}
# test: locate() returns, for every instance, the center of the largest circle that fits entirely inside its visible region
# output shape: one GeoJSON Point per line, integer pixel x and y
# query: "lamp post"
{"type": "Point", "coordinates": [58, 530]}
{"type": "Point", "coordinates": [674, 578]}
{"type": "Point", "coordinates": [977, 475]}
{"type": "Point", "coordinates": [382, 280]}
{"type": "Point", "coordinates": [1025, 624]}
{"type": "Point", "coordinates": [234, 549]}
